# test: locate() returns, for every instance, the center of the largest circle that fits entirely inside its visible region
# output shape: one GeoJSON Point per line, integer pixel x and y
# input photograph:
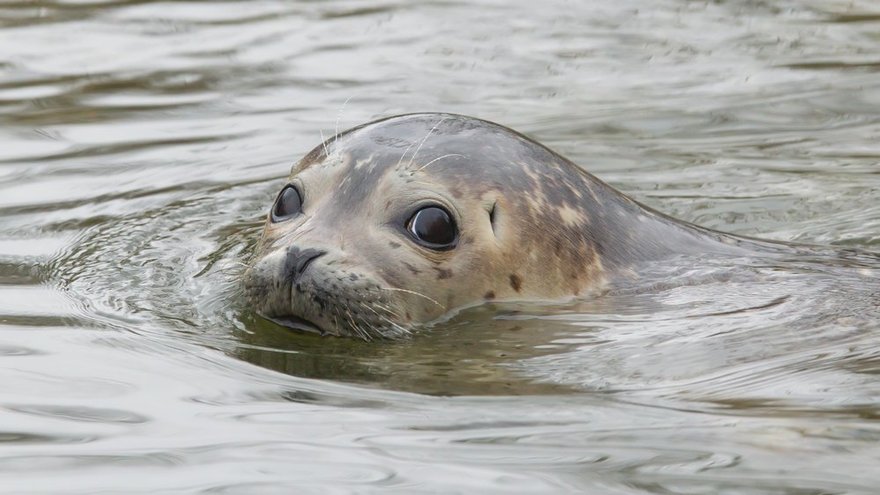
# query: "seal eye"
{"type": "Point", "coordinates": [288, 204]}
{"type": "Point", "coordinates": [433, 228]}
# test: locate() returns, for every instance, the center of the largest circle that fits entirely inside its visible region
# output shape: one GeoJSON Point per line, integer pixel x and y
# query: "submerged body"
{"type": "Point", "coordinates": [401, 221]}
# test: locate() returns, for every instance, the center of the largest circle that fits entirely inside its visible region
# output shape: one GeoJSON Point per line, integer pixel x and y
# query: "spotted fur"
{"type": "Point", "coordinates": [532, 226]}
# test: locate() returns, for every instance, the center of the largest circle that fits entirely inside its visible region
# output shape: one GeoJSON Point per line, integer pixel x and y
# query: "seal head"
{"type": "Point", "coordinates": [400, 221]}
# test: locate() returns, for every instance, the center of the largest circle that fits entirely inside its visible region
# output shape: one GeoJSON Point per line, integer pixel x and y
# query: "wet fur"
{"type": "Point", "coordinates": [532, 224]}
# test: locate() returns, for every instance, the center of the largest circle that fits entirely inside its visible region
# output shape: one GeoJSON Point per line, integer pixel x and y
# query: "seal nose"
{"type": "Point", "coordinates": [300, 259]}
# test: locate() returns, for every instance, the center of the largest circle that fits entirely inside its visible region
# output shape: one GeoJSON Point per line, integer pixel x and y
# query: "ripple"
{"type": "Point", "coordinates": [13, 350]}
{"type": "Point", "coordinates": [60, 463]}
{"type": "Point", "coordinates": [34, 301]}
{"type": "Point", "coordinates": [143, 141]}
{"type": "Point", "coordinates": [79, 413]}
{"type": "Point", "coordinates": [18, 438]}
{"type": "Point", "coordinates": [40, 247]}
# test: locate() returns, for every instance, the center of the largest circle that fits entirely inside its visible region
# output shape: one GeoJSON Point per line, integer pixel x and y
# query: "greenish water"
{"type": "Point", "coordinates": [142, 142]}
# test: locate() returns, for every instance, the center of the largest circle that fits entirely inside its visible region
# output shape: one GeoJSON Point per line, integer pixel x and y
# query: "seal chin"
{"type": "Point", "coordinates": [296, 323]}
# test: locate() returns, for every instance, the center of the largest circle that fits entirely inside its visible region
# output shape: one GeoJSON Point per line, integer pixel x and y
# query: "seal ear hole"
{"type": "Point", "coordinates": [492, 217]}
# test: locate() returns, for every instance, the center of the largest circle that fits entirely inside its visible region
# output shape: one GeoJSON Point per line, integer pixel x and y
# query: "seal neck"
{"type": "Point", "coordinates": [624, 231]}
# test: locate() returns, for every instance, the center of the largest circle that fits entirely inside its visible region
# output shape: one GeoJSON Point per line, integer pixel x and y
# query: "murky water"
{"type": "Point", "coordinates": [141, 143]}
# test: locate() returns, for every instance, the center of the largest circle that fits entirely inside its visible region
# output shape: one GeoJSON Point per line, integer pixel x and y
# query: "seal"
{"type": "Point", "coordinates": [401, 221]}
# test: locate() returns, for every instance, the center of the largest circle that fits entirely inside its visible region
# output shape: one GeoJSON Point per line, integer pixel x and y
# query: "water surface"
{"type": "Point", "coordinates": [142, 142]}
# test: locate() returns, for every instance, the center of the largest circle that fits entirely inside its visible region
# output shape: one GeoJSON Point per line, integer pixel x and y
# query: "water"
{"type": "Point", "coordinates": [142, 143]}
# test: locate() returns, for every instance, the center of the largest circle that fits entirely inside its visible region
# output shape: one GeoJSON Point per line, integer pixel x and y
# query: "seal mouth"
{"type": "Point", "coordinates": [296, 323]}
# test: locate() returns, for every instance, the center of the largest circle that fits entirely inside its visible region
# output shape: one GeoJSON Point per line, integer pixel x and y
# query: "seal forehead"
{"type": "Point", "coordinates": [417, 139]}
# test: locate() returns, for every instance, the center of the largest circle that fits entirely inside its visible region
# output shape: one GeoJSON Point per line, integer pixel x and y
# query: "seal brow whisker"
{"type": "Point", "coordinates": [338, 117]}
{"type": "Point", "coordinates": [413, 293]}
{"type": "Point", "coordinates": [416, 153]}
{"type": "Point", "coordinates": [403, 155]}
{"type": "Point", "coordinates": [440, 158]}
{"type": "Point", "coordinates": [324, 143]}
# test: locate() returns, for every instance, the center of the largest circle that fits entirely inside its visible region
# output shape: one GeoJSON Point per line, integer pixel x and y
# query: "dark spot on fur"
{"type": "Point", "coordinates": [408, 317]}
{"type": "Point", "coordinates": [413, 269]}
{"type": "Point", "coordinates": [394, 245]}
{"type": "Point", "coordinates": [353, 277]}
{"type": "Point", "coordinates": [489, 295]}
{"type": "Point", "coordinates": [443, 272]}
{"type": "Point", "coordinates": [515, 282]}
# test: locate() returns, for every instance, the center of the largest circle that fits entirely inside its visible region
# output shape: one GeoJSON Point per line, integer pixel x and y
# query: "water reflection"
{"type": "Point", "coordinates": [470, 355]}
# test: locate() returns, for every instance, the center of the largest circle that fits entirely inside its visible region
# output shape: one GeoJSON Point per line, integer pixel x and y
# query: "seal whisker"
{"type": "Point", "coordinates": [324, 143]}
{"type": "Point", "coordinates": [415, 293]}
{"type": "Point", "coordinates": [300, 233]}
{"type": "Point", "coordinates": [338, 117]}
{"type": "Point", "coordinates": [403, 155]}
{"type": "Point", "coordinates": [354, 326]}
{"type": "Point", "coordinates": [387, 310]}
{"type": "Point", "coordinates": [366, 306]}
{"type": "Point", "coordinates": [416, 153]}
{"type": "Point", "coordinates": [384, 318]}
{"type": "Point", "coordinates": [438, 159]}
{"type": "Point", "coordinates": [364, 331]}
{"type": "Point", "coordinates": [403, 331]}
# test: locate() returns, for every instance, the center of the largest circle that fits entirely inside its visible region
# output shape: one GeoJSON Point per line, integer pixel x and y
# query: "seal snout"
{"type": "Point", "coordinates": [298, 260]}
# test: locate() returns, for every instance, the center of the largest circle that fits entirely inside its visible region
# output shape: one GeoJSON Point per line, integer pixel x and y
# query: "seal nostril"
{"type": "Point", "coordinates": [300, 259]}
